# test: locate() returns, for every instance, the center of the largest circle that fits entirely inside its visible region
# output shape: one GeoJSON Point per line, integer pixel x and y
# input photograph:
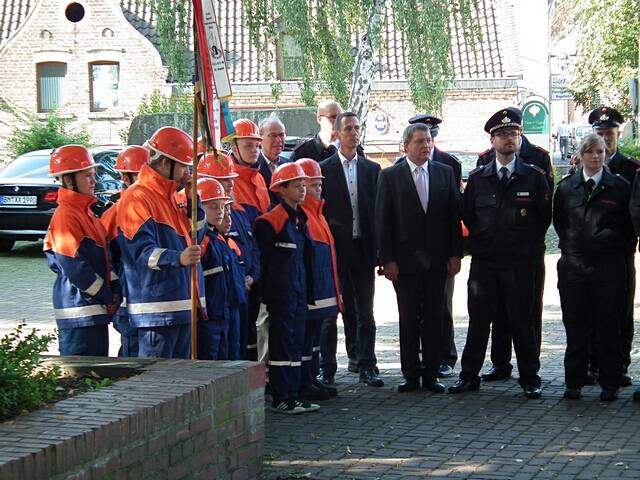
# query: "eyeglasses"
{"type": "Point", "coordinates": [276, 135]}
{"type": "Point", "coordinates": [512, 134]}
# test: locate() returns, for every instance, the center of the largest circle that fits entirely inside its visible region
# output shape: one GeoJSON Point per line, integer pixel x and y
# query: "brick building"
{"type": "Point", "coordinates": [94, 60]}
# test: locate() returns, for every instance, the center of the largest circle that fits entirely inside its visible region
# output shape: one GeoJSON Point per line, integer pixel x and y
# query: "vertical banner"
{"type": "Point", "coordinates": [212, 73]}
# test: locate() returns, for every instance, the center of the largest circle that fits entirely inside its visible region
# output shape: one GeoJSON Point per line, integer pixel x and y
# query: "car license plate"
{"type": "Point", "coordinates": [18, 200]}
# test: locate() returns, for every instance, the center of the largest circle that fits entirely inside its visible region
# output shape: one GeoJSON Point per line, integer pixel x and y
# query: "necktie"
{"type": "Point", "coordinates": [272, 166]}
{"type": "Point", "coordinates": [588, 187]}
{"type": "Point", "coordinates": [504, 176]}
{"type": "Point", "coordinates": [421, 186]}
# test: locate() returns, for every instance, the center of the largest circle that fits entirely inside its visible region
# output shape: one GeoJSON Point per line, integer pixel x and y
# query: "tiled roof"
{"type": "Point", "coordinates": [247, 64]}
{"type": "Point", "coordinates": [12, 14]}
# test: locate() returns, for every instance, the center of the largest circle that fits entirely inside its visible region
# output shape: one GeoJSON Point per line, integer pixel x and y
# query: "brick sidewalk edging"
{"type": "Point", "coordinates": [178, 419]}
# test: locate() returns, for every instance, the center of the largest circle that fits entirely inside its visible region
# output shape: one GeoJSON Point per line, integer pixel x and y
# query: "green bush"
{"type": "Point", "coordinates": [631, 149]}
{"type": "Point", "coordinates": [51, 132]}
{"type": "Point", "coordinates": [24, 383]}
{"type": "Point", "coordinates": [157, 102]}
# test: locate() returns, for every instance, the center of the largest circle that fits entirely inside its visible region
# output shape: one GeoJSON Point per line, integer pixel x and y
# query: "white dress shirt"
{"type": "Point", "coordinates": [351, 175]}
{"type": "Point", "coordinates": [596, 177]}
{"type": "Point", "coordinates": [511, 166]}
{"type": "Point", "coordinates": [414, 174]}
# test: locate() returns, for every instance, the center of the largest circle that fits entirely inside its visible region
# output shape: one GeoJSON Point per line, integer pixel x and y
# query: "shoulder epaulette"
{"type": "Point", "coordinates": [536, 168]}
{"type": "Point", "coordinates": [620, 177]}
{"type": "Point", "coordinates": [477, 169]}
{"type": "Point", "coordinates": [455, 158]}
{"type": "Point", "coordinates": [485, 153]}
{"type": "Point", "coordinates": [568, 175]}
{"type": "Point", "coordinates": [634, 160]}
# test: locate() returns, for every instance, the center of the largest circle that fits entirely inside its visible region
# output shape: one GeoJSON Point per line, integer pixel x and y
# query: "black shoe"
{"type": "Point", "coordinates": [626, 381]}
{"type": "Point", "coordinates": [409, 386]}
{"type": "Point", "coordinates": [353, 366]}
{"type": "Point", "coordinates": [590, 378]}
{"type": "Point", "coordinates": [445, 371]}
{"type": "Point", "coordinates": [326, 379]}
{"type": "Point", "coordinates": [608, 394]}
{"type": "Point", "coordinates": [572, 394]}
{"type": "Point", "coordinates": [464, 386]}
{"type": "Point", "coordinates": [636, 395]}
{"type": "Point", "coordinates": [495, 373]}
{"type": "Point", "coordinates": [532, 391]}
{"type": "Point", "coordinates": [432, 385]}
{"type": "Point", "coordinates": [332, 391]}
{"type": "Point", "coordinates": [370, 378]}
{"type": "Point", "coordinates": [314, 394]}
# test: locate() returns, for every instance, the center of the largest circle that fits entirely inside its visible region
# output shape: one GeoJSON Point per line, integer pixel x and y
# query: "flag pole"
{"type": "Point", "coordinates": [194, 225]}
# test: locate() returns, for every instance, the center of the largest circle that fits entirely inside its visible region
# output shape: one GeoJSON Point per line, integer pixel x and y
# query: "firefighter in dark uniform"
{"type": "Point", "coordinates": [500, 334]}
{"type": "Point", "coordinates": [449, 354]}
{"type": "Point", "coordinates": [606, 122]}
{"type": "Point", "coordinates": [591, 217]}
{"type": "Point", "coordinates": [507, 210]}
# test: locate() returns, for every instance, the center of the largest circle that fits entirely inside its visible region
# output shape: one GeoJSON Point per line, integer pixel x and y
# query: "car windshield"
{"type": "Point", "coordinates": [27, 166]}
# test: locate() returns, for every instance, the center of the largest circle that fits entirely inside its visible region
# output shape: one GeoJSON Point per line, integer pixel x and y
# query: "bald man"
{"type": "Point", "coordinates": [321, 146]}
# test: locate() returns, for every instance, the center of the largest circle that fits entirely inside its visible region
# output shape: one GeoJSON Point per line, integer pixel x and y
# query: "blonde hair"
{"type": "Point", "coordinates": [587, 143]}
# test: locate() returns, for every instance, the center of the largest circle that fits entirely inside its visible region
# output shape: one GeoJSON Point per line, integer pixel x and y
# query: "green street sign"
{"type": "Point", "coordinates": [535, 117]}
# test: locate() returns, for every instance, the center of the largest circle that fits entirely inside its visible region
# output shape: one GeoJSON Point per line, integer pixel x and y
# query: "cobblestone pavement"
{"type": "Point", "coordinates": [368, 433]}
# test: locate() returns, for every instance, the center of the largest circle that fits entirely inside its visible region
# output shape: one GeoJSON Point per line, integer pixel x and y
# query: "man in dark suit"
{"type": "Point", "coordinates": [448, 351]}
{"type": "Point", "coordinates": [419, 245]}
{"type": "Point", "coordinates": [349, 191]}
{"type": "Point", "coordinates": [273, 135]}
{"type": "Point", "coordinates": [501, 337]}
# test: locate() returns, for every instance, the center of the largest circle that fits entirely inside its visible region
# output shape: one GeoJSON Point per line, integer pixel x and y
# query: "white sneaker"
{"type": "Point", "coordinates": [306, 406]}
{"type": "Point", "coordinates": [288, 407]}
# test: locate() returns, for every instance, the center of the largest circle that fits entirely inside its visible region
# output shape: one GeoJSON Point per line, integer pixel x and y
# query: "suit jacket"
{"type": "Point", "coordinates": [263, 168]}
{"type": "Point", "coordinates": [416, 240]}
{"type": "Point", "coordinates": [337, 208]}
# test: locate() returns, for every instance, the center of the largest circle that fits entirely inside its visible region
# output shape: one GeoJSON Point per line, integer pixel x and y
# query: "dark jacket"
{"type": "Point", "coordinates": [263, 168]}
{"type": "Point", "coordinates": [597, 226]}
{"type": "Point", "coordinates": [337, 208]}
{"type": "Point", "coordinates": [509, 222]}
{"type": "Point", "coordinates": [416, 240]}
{"type": "Point", "coordinates": [313, 148]}
{"type": "Point", "coordinates": [529, 153]}
{"type": "Point", "coordinates": [623, 165]}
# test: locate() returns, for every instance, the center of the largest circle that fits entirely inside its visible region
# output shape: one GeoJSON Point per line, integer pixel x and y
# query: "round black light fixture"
{"type": "Point", "coordinates": [74, 12]}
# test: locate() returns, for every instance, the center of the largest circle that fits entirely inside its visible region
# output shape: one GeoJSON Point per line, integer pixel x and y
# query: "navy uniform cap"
{"type": "Point", "coordinates": [605, 117]}
{"type": "Point", "coordinates": [429, 120]}
{"type": "Point", "coordinates": [507, 117]}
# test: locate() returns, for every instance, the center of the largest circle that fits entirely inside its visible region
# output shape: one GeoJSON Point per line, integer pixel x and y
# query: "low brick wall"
{"type": "Point", "coordinates": [178, 419]}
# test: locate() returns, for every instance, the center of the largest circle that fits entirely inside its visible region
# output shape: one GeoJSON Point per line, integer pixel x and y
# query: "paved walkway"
{"type": "Point", "coordinates": [369, 433]}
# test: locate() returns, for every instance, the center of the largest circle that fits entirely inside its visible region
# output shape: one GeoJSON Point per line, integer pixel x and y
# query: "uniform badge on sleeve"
{"type": "Point", "coordinates": [523, 212]}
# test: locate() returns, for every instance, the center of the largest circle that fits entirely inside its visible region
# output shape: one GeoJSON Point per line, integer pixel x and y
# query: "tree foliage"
{"type": "Point", "coordinates": [174, 32]}
{"type": "Point", "coordinates": [327, 32]}
{"type": "Point", "coordinates": [607, 54]}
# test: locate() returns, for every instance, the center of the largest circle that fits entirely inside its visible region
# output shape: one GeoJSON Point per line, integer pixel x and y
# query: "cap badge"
{"type": "Point", "coordinates": [506, 120]}
{"type": "Point", "coordinates": [604, 118]}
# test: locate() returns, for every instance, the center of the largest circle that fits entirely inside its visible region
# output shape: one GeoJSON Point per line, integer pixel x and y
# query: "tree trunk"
{"type": "Point", "coordinates": [364, 68]}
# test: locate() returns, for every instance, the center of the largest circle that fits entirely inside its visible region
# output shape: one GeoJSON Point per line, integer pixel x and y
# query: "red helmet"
{"type": "Point", "coordinates": [131, 159]}
{"type": "Point", "coordinates": [218, 165]}
{"type": "Point", "coordinates": [69, 159]}
{"type": "Point", "coordinates": [211, 189]}
{"type": "Point", "coordinates": [311, 168]}
{"type": "Point", "coordinates": [172, 143]}
{"type": "Point", "coordinates": [245, 128]}
{"type": "Point", "coordinates": [286, 173]}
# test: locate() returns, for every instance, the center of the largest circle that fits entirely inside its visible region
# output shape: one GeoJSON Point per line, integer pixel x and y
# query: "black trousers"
{"type": "Point", "coordinates": [627, 327]}
{"type": "Point", "coordinates": [511, 284]}
{"type": "Point", "coordinates": [501, 337]}
{"type": "Point", "coordinates": [358, 288]}
{"type": "Point", "coordinates": [594, 306]}
{"type": "Point", "coordinates": [448, 351]}
{"type": "Point", "coordinates": [421, 299]}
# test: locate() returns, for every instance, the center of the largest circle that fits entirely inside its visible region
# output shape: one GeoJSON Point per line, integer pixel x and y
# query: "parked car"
{"type": "Point", "coordinates": [28, 195]}
{"type": "Point", "coordinates": [468, 161]}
